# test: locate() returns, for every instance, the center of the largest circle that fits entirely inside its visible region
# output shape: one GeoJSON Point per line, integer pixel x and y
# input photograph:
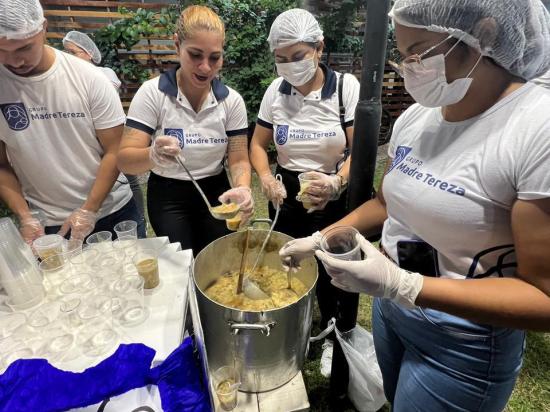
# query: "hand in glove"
{"type": "Point", "coordinates": [273, 189]}
{"type": "Point", "coordinates": [322, 189]}
{"type": "Point", "coordinates": [163, 152]}
{"type": "Point", "coordinates": [242, 196]}
{"type": "Point", "coordinates": [375, 275]}
{"type": "Point", "coordinates": [30, 229]}
{"type": "Point", "coordinates": [294, 251]}
{"type": "Point", "coordinates": [81, 223]}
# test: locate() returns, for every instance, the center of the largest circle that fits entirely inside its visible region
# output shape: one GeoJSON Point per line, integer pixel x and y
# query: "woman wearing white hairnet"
{"type": "Point", "coordinates": [465, 207]}
{"type": "Point", "coordinates": [308, 114]}
{"type": "Point", "coordinates": [81, 45]}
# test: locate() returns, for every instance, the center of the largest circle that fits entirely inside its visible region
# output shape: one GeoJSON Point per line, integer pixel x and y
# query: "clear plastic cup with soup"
{"type": "Point", "coordinates": [48, 245]}
{"type": "Point", "coordinates": [146, 263]}
{"type": "Point", "coordinates": [305, 180]}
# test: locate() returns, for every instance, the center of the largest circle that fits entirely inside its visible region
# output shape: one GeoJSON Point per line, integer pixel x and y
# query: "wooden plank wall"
{"type": "Point", "coordinates": [158, 54]}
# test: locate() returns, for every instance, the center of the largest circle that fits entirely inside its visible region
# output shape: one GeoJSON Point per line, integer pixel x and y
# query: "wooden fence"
{"type": "Point", "coordinates": [158, 54]}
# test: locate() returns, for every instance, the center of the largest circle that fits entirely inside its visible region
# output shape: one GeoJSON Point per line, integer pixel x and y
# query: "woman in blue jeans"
{"type": "Point", "coordinates": [464, 207]}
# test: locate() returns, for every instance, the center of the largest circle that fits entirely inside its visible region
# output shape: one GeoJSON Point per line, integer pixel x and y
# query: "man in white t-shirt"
{"type": "Point", "coordinates": [60, 129]}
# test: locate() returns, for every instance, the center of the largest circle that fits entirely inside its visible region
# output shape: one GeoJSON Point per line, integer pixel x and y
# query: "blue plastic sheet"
{"type": "Point", "coordinates": [35, 385]}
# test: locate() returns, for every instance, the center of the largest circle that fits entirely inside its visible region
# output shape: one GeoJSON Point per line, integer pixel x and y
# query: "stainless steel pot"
{"type": "Point", "coordinates": [269, 347]}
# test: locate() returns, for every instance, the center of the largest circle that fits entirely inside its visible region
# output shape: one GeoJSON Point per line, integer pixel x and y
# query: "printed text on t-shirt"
{"type": "Point", "coordinates": [411, 166]}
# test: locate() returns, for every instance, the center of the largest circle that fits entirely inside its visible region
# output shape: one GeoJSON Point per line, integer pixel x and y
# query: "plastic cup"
{"type": "Point", "coordinates": [48, 245]}
{"type": "Point", "coordinates": [55, 270]}
{"type": "Point", "coordinates": [126, 229]}
{"type": "Point", "coordinates": [100, 240]}
{"type": "Point", "coordinates": [97, 335]}
{"type": "Point", "coordinates": [44, 316]}
{"type": "Point", "coordinates": [234, 223]}
{"type": "Point", "coordinates": [226, 384]}
{"type": "Point", "coordinates": [68, 310]}
{"type": "Point", "coordinates": [128, 246]}
{"type": "Point", "coordinates": [128, 303]}
{"type": "Point", "coordinates": [305, 181]}
{"type": "Point", "coordinates": [341, 243]}
{"type": "Point", "coordinates": [71, 247]}
{"type": "Point", "coordinates": [83, 262]}
{"type": "Point", "coordinates": [146, 263]}
{"type": "Point", "coordinates": [24, 293]}
{"type": "Point", "coordinates": [81, 284]}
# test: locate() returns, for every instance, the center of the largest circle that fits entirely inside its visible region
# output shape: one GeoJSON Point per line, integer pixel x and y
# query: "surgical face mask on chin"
{"type": "Point", "coordinates": [297, 73]}
{"type": "Point", "coordinates": [427, 84]}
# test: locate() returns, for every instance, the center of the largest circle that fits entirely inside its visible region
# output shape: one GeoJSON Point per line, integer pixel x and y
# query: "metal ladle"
{"type": "Point", "coordinates": [215, 213]}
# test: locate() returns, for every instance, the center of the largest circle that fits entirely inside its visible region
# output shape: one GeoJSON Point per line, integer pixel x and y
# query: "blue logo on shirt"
{"type": "Point", "coordinates": [281, 135]}
{"type": "Point", "coordinates": [16, 115]}
{"type": "Point", "coordinates": [503, 257]}
{"type": "Point", "coordinates": [177, 133]}
{"type": "Point", "coordinates": [400, 155]}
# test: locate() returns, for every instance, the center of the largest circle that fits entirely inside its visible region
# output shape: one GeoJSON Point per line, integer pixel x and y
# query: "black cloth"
{"type": "Point", "coordinates": [296, 222]}
{"type": "Point", "coordinates": [177, 210]}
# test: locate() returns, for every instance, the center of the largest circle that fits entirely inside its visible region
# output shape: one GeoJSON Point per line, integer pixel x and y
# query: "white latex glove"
{"type": "Point", "coordinates": [81, 223]}
{"type": "Point", "coordinates": [163, 152]}
{"type": "Point", "coordinates": [242, 196]}
{"type": "Point", "coordinates": [294, 251]}
{"type": "Point", "coordinates": [375, 275]}
{"type": "Point", "coordinates": [30, 229]}
{"type": "Point", "coordinates": [322, 189]}
{"type": "Point", "coordinates": [273, 189]}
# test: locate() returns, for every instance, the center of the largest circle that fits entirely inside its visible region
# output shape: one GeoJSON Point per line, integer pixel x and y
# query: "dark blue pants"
{"type": "Point", "coordinates": [128, 212]}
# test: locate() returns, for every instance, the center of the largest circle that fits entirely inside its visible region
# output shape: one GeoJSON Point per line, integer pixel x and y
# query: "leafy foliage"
{"type": "Point", "coordinates": [126, 33]}
{"type": "Point", "coordinates": [339, 30]}
{"type": "Point", "coordinates": [248, 62]}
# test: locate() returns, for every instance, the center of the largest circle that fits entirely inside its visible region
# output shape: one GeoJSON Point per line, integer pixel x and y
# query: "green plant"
{"type": "Point", "coordinates": [248, 62]}
{"type": "Point", "coordinates": [126, 33]}
{"type": "Point", "coordinates": [339, 30]}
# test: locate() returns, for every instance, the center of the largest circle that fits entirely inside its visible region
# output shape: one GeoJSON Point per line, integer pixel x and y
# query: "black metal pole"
{"type": "Point", "coordinates": [363, 163]}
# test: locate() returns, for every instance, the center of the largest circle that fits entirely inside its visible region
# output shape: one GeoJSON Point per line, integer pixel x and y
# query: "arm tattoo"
{"type": "Point", "coordinates": [237, 144]}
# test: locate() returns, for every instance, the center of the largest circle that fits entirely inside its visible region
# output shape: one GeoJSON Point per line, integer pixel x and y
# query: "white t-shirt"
{"type": "Point", "coordinates": [111, 75]}
{"type": "Point", "coordinates": [48, 124]}
{"type": "Point", "coordinates": [307, 131]}
{"type": "Point", "coordinates": [453, 184]}
{"type": "Point", "coordinates": [159, 108]}
{"type": "Point", "coordinates": [543, 80]}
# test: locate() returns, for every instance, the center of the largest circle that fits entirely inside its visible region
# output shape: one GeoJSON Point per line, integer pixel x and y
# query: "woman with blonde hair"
{"type": "Point", "coordinates": [189, 113]}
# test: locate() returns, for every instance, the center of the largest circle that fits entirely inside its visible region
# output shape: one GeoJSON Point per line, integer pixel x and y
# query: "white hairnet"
{"type": "Point", "coordinates": [514, 33]}
{"type": "Point", "coordinates": [20, 19]}
{"type": "Point", "coordinates": [294, 26]}
{"type": "Point", "coordinates": [84, 41]}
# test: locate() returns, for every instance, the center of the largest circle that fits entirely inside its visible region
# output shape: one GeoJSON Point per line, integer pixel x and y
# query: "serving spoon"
{"type": "Point", "coordinates": [217, 212]}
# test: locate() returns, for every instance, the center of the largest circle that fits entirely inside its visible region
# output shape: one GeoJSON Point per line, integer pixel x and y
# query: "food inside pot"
{"type": "Point", "coordinates": [273, 282]}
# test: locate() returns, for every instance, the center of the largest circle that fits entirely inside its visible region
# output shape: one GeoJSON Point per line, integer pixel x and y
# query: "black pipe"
{"type": "Point", "coordinates": [363, 161]}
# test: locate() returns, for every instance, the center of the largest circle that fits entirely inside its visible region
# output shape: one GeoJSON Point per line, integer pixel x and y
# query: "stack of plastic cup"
{"type": "Point", "coordinates": [9, 232]}
{"type": "Point", "coordinates": [19, 277]}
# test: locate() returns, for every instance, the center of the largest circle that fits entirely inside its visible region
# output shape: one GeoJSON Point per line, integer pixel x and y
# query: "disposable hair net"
{"type": "Point", "coordinates": [20, 19]}
{"type": "Point", "coordinates": [294, 26]}
{"type": "Point", "coordinates": [514, 33]}
{"type": "Point", "coordinates": [83, 41]}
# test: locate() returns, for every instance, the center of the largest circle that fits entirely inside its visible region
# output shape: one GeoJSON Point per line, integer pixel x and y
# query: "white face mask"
{"type": "Point", "coordinates": [427, 84]}
{"type": "Point", "coordinates": [297, 73]}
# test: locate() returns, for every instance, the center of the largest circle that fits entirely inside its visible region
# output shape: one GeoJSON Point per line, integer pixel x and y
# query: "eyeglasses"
{"type": "Point", "coordinates": [400, 66]}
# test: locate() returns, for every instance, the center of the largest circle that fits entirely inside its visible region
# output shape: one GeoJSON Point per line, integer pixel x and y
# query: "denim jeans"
{"type": "Point", "coordinates": [128, 212]}
{"type": "Point", "coordinates": [433, 361]}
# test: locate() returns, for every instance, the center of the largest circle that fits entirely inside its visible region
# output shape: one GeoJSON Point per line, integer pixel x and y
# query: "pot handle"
{"type": "Point", "coordinates": [260, 220]}
{"type": "Point", "coordinates": [265, 328]}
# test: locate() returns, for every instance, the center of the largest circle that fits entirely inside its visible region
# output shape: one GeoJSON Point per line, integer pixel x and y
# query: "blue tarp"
{"type": "Point", "coordinates": [35, 385]}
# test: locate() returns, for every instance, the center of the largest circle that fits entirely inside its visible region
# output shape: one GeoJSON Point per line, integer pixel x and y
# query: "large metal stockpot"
{"type": "Point", "coordinates": [268, 347]}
